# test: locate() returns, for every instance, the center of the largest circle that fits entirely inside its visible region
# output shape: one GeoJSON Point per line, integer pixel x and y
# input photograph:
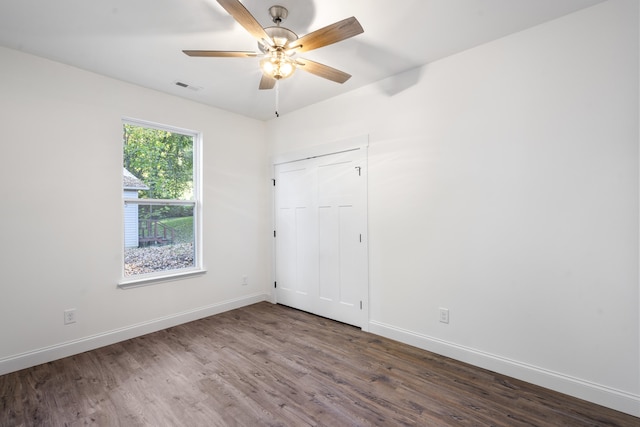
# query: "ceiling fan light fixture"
{"type": "Point", "coordinates": [278, 66]}
{"type": "Point", "coordinates": [280, 45]}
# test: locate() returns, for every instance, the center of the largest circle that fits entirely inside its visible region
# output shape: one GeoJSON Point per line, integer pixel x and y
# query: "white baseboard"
{"type": "Point", "coordinates": [58, 351]}
{"type": "Point", "coordinates": [615, 399]}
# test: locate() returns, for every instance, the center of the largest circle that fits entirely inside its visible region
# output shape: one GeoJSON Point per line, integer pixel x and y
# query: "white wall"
{"type": "Point", "coordinates": [503, 185]}
{"type": "Point", "coordinates": [61, 128]}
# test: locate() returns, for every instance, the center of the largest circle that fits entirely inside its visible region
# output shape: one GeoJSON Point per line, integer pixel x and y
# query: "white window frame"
{"type": "Point", "coordinates": [161, 276]}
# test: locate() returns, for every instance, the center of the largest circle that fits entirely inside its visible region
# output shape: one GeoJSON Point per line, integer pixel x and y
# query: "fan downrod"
{"type": "Point", "coordinates": [278, 14]}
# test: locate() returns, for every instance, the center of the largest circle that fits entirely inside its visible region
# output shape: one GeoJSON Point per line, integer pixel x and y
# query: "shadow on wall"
{"type": "Point", "coordinates": [401, 82]}
{"type": "Point", "coordinates": [405, 72]}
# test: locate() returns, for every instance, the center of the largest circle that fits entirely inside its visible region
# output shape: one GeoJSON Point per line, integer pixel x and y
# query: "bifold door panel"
{"type": "Point", "coordinates": [321, 224]}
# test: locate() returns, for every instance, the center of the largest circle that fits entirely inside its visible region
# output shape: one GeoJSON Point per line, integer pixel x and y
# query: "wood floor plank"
{"type": "Point", "coordinates": [270, 365]}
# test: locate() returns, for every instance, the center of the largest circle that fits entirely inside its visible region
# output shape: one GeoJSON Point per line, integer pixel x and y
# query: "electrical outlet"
{"type": "Point", "coordinates": [444, 315]}
{"type": "Point", "coordinates": [70, 316]}
{"type": "Point", "coordinates": [245, 280]}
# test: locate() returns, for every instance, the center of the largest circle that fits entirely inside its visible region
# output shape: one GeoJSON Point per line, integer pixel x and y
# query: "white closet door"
{"type": "Point", "coordinates": [321, 223]}
{"type": "Point", "coordinates": [296, 237]}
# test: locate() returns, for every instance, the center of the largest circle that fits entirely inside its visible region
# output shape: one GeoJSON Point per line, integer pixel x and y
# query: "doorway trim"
{"type": "Point", "coordinates": [354, 143]}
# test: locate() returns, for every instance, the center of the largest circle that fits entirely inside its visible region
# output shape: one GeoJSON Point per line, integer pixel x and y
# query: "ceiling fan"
{"type": "Point", "coordinates": [279, 45]}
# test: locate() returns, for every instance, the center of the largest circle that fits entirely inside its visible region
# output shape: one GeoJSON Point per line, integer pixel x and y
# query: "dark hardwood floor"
{"type": "Point", "coordinates": [269, 365]}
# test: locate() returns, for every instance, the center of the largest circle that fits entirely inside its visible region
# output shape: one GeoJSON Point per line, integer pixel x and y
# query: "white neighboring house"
{"type": "Point", "coordinates": [130, 187]}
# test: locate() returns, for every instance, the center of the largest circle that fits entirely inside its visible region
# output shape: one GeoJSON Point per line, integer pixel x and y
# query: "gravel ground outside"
{"type": "Point", "coordinates": [157, 258]}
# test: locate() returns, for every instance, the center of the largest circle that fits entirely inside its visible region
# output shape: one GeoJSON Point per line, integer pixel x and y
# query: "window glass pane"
{"type": "Point", "coordinates": [161, 160]}
{"type": "Point", "coordinates": [164, 240]}
{"type": "Point", "coordinates": [160, 196]}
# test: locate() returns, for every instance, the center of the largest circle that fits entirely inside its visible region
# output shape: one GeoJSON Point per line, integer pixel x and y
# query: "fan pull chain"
{"type": "Point", "coordinates": [277, 98]}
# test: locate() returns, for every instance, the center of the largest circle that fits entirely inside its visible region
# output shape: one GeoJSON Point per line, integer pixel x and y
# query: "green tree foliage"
{"type": "Point", "coordinates": [163, 160]}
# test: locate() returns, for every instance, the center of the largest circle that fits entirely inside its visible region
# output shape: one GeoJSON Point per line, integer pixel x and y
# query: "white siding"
{"type": "Point", "coordinates": [131, 221]}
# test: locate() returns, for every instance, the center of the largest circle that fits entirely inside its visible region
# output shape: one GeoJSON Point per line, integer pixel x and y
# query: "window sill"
{"type": "Point", "coordinates": [151, 279]}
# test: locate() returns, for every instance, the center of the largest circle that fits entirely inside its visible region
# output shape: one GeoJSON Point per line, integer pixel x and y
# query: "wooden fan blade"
{"type": "Point", "coordinates": [220, 53]}
{"type": "Point", "coordinates": [267, 82]}
{"type": "Point", "coordinates": [323, 71]}
{"type": "Point", "coordinates": [244, 18]}
{"type": "Point", "coordinates": [328, 35]}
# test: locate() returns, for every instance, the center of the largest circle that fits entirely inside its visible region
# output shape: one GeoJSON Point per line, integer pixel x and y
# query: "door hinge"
{"type": "Point", "coordinates": [275, 284]}
{"type": "Point", "coordinates": [361, 238]}
{"type": "Point", "coordinates": [274, 182]}
{"type": "Point", "coordinates": [359, 168]}
{"type": "Point", "coordinates": [360, 305]}
{"type": "Point", "coordinates": [274, 233]}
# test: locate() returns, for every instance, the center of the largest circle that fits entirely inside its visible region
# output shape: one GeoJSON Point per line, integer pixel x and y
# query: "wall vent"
{"type": "Point", "coordinates": [187, 86]}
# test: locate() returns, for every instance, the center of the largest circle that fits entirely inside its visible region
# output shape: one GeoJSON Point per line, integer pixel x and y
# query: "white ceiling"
{"type": "Point", "coordinates": [141, 41]}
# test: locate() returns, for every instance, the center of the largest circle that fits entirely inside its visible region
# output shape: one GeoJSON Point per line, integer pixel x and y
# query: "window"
{"type": "Point", "coordinates": [161, 214]}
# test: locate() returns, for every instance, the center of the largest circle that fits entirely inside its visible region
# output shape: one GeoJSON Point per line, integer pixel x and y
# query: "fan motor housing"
{"type": "Point", "coordinates": [281, 36]}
